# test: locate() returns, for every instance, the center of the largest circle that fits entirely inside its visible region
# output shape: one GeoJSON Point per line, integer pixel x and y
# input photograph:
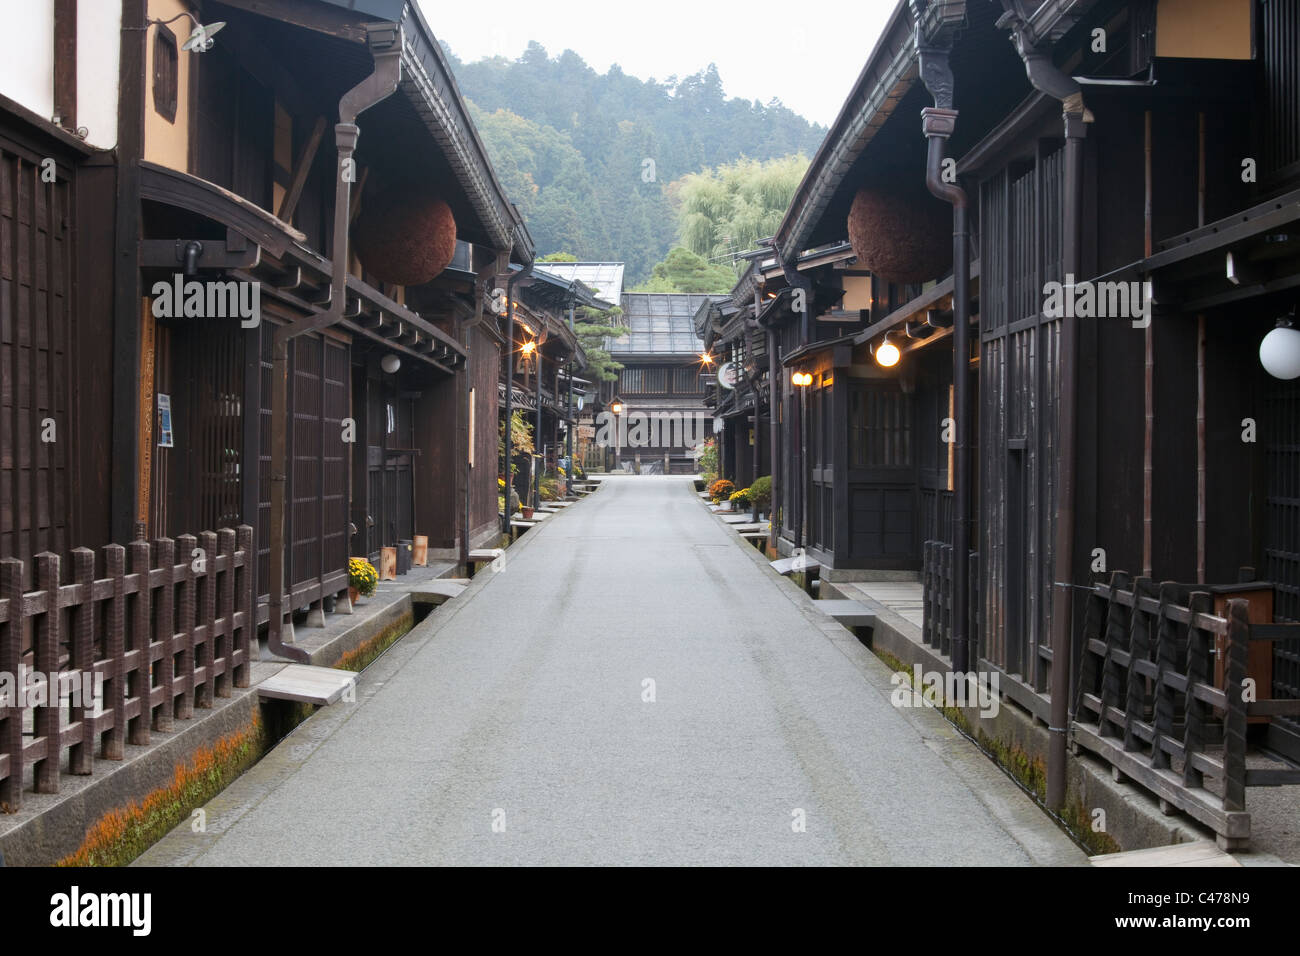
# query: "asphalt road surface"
{"type": "Point", "coordinates": [636, 686]}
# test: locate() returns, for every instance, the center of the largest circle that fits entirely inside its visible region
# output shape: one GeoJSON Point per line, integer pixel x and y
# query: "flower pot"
{"type": "Point", "coordinates": [353, 594]}
{"type": "Point", "coordinates": [528, 512]}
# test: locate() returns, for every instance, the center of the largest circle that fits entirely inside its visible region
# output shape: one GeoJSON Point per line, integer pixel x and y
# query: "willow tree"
{"type": "Point", "coordinates": [727, 209]}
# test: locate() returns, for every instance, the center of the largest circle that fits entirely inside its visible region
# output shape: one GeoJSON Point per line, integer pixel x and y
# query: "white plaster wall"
{"type": "Point", "coordinates": [27, 54]}
{"type": "Point", "coordinates": [98, 49]}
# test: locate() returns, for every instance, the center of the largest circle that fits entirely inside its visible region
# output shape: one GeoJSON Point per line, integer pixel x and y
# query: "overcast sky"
{"type": "Point", "coordinates": [807, 56]}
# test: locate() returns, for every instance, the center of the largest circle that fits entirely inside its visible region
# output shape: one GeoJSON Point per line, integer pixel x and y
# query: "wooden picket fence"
{"type": "Point", "coordinates": [1147, 703]}
{"type": "Point", "coordinates": [165, 637]}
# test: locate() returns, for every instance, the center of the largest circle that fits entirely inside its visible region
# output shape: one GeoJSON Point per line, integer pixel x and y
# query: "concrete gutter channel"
{"type": "Point", "coordinates": [1133, 816]}
{"type": "Point", "coordinates": [50, 827]}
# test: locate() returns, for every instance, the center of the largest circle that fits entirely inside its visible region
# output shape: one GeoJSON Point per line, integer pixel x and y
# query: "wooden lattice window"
{"type": "Point", "coordinates": [166, 73]}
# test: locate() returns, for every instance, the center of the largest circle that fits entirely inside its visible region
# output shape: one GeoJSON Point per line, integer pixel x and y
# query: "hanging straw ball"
{"type": "Point", "coordinates": [901, 235]}
{"type": "Point", "coordinates": [404, 237]}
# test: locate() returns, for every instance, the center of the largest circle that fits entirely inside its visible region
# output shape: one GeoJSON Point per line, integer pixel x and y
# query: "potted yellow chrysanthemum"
{"type": "Point", "coordinates": [362, 578]}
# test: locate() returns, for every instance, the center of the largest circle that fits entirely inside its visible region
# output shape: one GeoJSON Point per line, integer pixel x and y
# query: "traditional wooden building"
{"type": "Point", "coordinates": [1073, 263]}
{"type": "Point", "coordinates": [660, 389]}
{"type": "Point", "coordinates": [547, 358]}
{"type": "Point", "coordinates": [206, 239]}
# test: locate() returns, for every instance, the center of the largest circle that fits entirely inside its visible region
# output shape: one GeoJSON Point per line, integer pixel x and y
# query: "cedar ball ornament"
{"type": "Point", "coordinates": [404, 236]}
{"type": "Point", "coordinates": [901, 236]}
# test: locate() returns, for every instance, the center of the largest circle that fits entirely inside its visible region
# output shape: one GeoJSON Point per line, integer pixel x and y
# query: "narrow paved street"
{"type": "Point", "coordinates": [512, 726]}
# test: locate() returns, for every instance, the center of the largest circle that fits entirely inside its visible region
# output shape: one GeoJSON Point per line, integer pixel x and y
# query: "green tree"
{"type": "Point", "coordinates": [570, 146]}
{"type": "Point", "coordinates": [726, 210]}
{"type": "Point", "coordinates": [684, 271]}
{"type": "Point", "coordinates": [592, 328]}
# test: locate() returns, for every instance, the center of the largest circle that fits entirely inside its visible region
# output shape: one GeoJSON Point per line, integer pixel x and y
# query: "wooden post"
{"type": "Point", "coordinates": [1139, 645]}
{"type": "Point", "coordinates": [45, 642]}
{"type": "Point", "coordinates": [80, 661]}
{"type": "Point", "coordinates": [185, 545]}
{"type": "Point", "coordinates": [12, 633]}
{"type": "Point", "coordinates": [114, 651]}
{"type": "Point", "coordinates": [223, 658]}
{"type": "Point", "coordinates": [1116, 639]}
{"type": "Point", "coordinates": [246, 595]}
{"type": "Point", "coordinates": [1234, 720]}
{"type": "Point", "coordinates": [140, 681]}
{"type": "Point", "coordinates": [204, 653]}
{"type": "Point", "coordinates": [1166, 662]}
{"type": "Point", "coordinates": [1198, 672]}
{"type": "Point", "coordinates": [164, 632]}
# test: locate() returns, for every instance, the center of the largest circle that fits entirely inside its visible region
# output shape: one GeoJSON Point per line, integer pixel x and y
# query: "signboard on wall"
{"type": "Point", "coordinates": [165, 421]}
{"type": "Point", "coordinates": [728, 374]}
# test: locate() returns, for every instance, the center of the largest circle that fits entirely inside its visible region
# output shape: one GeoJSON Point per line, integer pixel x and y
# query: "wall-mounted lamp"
{"type": "Point", "coordinates": [706, 358]}
{"type": "Point", "coordinates": [390, 363]}
{"type": "Point", "coordinates": [801, 379]}
{"type": "Point", "coordinates": [616, 407]}
{"type": "Point", "coordinates": [200, 40]}
{"type": "Point", "coordinates": [528, 348]}
{"type": "Point", "coordinates": [887, 353]}
{"type": "Point", "coordinates": [1279, 352]}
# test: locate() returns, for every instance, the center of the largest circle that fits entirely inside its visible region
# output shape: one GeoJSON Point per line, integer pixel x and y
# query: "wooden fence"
{"type": "Point", "coordinates": [1146, 700]}
{"type": "Point", "coordinates": [936, 583]}
{"type": "Point", "coordinates": [165, 637]}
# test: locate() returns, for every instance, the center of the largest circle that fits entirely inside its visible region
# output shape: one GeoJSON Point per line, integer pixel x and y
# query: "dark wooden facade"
{"type": "Point", "coordinates": [1182, 464]}
{"type": "Point", "coordinates": [230, 154]}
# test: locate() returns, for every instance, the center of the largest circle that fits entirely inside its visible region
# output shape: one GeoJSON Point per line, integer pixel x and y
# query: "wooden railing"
{"type": "Point", "coordinates": [936, 584]}
{"type": "Point", "coordinates": [1146, 700]}
{"type": "Point", "coordinates": [165, 637]}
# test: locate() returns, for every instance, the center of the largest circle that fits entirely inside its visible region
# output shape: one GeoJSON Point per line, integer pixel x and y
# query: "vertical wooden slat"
{"type": "Point", "coordinates": [185, 545]}
{"type": "Point", "coordinates": [11, 717]}
{"type": "Point", "coordinates": [114, 648]}
{"type": "Point", "coordinates": [223, 645]}
{"type": "Point", "coordinates": [1196, 713]}
{"type": "Point", "coordinates": [46, 644]}
{"type": "Point", "coordinates": [139, 682]}
{"type": "Point", "coordinates": [82, 658]}
{"type": "Point", "coordinates": [1237, 650]}
{"type": "Point", "coordinates": [1116, 636]}
{"type": "Point", "coordinates": [205, 654]}
{"type": "Point", "coordinates": [1139, 646]}
{"type": "Point", "coordinates": [246, 595]}
{"type": "Point", "coordinates": [165, 631]}
{"type": "Point", "coordinates": [1166, 662]}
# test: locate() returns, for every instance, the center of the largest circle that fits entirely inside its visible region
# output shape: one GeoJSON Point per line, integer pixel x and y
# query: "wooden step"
{"type": "Point", "coordinates": [308, 684]}
{"type": "Point", "coordinates": [785, 566]}
{"type": "Point", "coordinates": [848, 613]}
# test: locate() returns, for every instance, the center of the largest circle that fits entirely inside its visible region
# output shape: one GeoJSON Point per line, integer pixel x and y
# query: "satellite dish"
{"type": "Point", "coordinates": [200, 40]}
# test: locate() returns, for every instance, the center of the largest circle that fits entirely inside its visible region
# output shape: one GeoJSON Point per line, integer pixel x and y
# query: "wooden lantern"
{"type": "Point", "coordinates": [388, 564]}
{"type": "Point", "coordinates": [420, 551]}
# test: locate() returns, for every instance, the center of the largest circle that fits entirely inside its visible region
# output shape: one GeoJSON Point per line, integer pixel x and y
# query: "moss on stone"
{"type": "Point", "coordinates": [121, 835]}
{"type": "Point", "coordinates": [365, 653]}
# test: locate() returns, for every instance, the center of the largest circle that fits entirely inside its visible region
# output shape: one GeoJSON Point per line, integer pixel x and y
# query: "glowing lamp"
{"type": "Point", "coordinates": [887, 354]}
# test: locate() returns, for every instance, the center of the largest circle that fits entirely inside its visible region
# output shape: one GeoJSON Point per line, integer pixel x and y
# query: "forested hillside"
{"type": "Point", "coordinates": [594, 161]}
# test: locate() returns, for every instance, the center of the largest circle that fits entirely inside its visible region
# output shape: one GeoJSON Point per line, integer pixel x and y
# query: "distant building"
{"type": "Point", "coordinates": [661, 386]}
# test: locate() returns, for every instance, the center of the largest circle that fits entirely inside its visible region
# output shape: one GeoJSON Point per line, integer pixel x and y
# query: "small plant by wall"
{"type": "Point", "coordinates": [121, 835]}
{"type": "Point", "coordinates": [364, 654]}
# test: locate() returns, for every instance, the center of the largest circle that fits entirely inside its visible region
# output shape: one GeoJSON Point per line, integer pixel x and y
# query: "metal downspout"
{"type": "Point", "coordinates": [1045, 77]}
{"type": "Point", "coordinates": [385, 43]}
{"type": "Point", "coordinates": [938, 123]}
